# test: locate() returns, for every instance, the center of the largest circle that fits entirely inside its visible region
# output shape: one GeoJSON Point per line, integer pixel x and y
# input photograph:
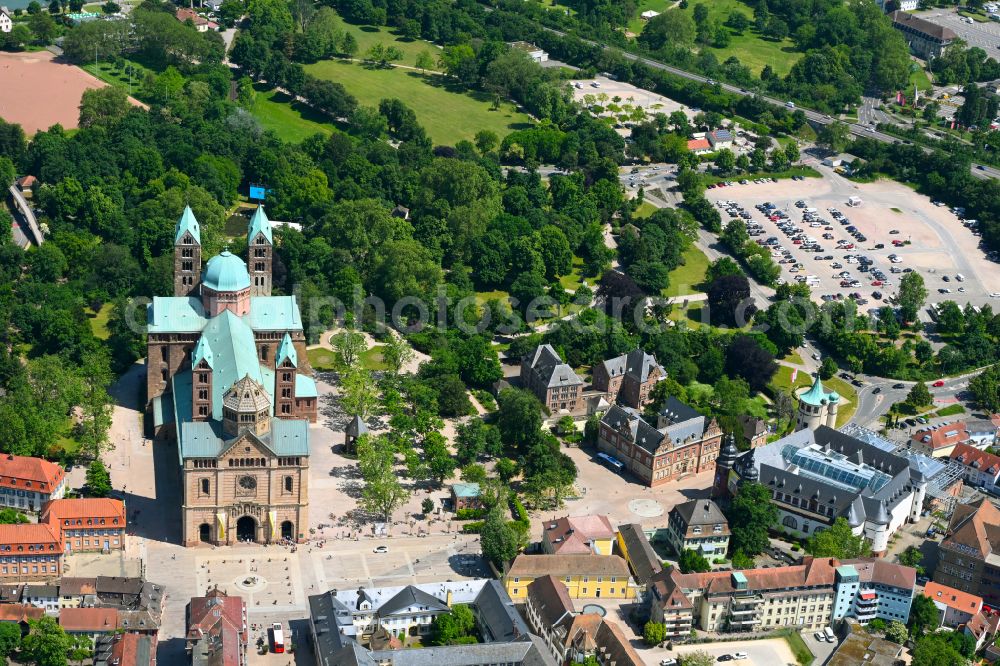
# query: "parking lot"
{"type": "Point", "coordinates": [984, 35]}
{"type": "Point", "coordinates": [856, 253]}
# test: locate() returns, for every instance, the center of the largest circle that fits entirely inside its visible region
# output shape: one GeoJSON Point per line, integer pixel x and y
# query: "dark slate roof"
{"type": "Point", "coordinates": [550, 599]}
{"type": "Point", "coordinates": [410, 596]}
{"type": "Point", "coordinates": [700, 512]}
{"type": "Point", "coordinates": [637, 364]}
{"type": "Point", "coordinates": [117, 585]}
{"type": "Point", "coordinates": [546, 364]}
{"type": "Point", "coordinates": [528, 653]}
{"type": "Point", "coordinates": [328, 641]}
{"type": "Point", "coordinates": [357, 427]}
{"type": "Point", "coordinates": [644, 561]}
{"type": "Point", "coordinates": [675, 411]}
{"type": "Point", "coordinates": [498, 619]}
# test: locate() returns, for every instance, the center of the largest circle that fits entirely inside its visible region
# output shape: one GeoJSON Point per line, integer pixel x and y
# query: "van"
{"type": "Point", "coordinates": [828, 632]}
{"type": "Point", "coordinates": [960, 277]}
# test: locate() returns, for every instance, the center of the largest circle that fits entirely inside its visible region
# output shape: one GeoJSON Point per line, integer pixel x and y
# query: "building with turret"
{"type": "Point", "coordinates": [817, 407]}
{"type": "Point", "coordinates": [225, 380]}
{"type": "Point", "coordinates": [817, 476]}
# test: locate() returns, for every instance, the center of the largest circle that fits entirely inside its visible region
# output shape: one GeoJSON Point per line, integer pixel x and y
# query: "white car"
{"type": "Point", "coordinates": [740, 655]}
{"type": "Point", "coordinates": [381, 549]}
{"type": "Point", "coordinates": [817, 357]}
{"type": "Point", "coordinates": [995, 294]}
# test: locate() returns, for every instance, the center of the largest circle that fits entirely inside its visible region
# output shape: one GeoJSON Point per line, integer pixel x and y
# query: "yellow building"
{"type": "Point", "coordinates": [585, 575]}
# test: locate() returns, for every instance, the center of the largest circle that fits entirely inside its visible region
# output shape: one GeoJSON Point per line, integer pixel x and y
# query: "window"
{"type": "Point", "coordinates": [288, 484]}
{"type": "Point", "coordinates": [205, 487]}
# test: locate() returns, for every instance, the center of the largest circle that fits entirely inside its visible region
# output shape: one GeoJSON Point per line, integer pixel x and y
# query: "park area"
{"type": "Point", "coordinates": [448, 112]}
{"type": "Point", "coordinates": [38, 91]}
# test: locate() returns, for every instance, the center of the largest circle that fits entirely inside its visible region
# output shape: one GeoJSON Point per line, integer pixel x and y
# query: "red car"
{"type": "Point", "coordinates": [877, 283]}
{"type": "Point", "coordinates": [938, 384]}
{"type": "Point", "coordinates": [897, 243]}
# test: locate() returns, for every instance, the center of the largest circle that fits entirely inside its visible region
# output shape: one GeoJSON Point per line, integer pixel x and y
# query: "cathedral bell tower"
{"type": "Point", "coordinates": [260, 249]}
{"type": "Point", "coordinates": [187, 254]}
{"type": "Point", "coordinates": [286, 365]}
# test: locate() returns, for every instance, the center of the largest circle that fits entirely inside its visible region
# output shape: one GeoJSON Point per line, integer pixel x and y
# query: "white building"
{"type": "Point", "coordinates": [868, 589]}
{"type": "Point", "coordinates": [6, 20]}
{"type": "Point", "coordinates": [649, 14]}
{"type": "Point", "coordinates": [535, 52]}
{"type": "Point", "coordinates": [817, 476]}
{"type": "Point", "coordinates": [904, 5]}
{"type": "Point", "coordinates": [817, 407]}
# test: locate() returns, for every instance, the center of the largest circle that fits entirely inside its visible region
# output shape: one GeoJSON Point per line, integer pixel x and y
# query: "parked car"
{"type": "Point", "coordinates": [939, 383]}
{"type": "Point", "coordinates": [898, 386]}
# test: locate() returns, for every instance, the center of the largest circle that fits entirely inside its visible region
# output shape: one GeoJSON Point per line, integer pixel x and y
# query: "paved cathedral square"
{"type": "Point", "coordinates": [225, 381]}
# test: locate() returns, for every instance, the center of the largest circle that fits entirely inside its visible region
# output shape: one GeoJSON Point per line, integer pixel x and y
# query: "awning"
{"type": "Point", "coordinates": [221, 518]}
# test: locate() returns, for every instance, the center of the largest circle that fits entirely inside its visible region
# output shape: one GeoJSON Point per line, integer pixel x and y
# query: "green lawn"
{"type": "Point", "coordinates": [849, 397]}
{"type": "Point", "coordinates": [292, 122]}
{"type": "Point", "coordinates": [572, 281]}
{"type": "Point", "coordinates": [793, 357]}
{"type": "Point", "coordinates": [111, 75]}
{"type": "Point", "coordinates": [323, 359]}
{"type": "Point", "coordinates": [690, 316]}
{"type": "Point", "coordinates": [99, 321]}
{"type": "Point", "coordinates": [685, 278]}
{"type": "Point", "coordinates": [367, 36]}
{"type": "Point", "coordinates": [645, 209]}
{"type": "Point", "coordinates": [749, 48]}
{"type": "Point", "coordinates": [950, 410]}
{"type": "Point", "coordinates": [919, 78]}
{"type": "Point", "coordinates": [802, 653]}
{"type": "Point", "coordinates": [448, 113]}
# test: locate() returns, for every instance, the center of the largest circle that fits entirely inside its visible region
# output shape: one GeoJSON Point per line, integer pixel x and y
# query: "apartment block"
{"type": "Point", "coordinates": [87, 525]}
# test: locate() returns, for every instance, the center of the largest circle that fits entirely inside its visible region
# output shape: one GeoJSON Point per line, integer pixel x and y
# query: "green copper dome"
{"type": "Point", "coordinates": [226, 272]}
{"type": "Point", "coordinates": [816, 396]}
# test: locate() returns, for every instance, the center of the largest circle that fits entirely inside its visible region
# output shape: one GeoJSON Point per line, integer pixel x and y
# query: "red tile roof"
{"type": "Point", "coordinates": [952, 598]}
{"type": "Point", "coordinates": [30, 534]}
{"type": "Point", "coordinates": [96, 620]}
{"type": "Point", "coordinates": [699, 144]}
{"type": "Point", "coordinates": [87, 509]}
{"type": "Point", "coordinates": [970, 456]}
{"type": "Point", "coordinates": [20, 613]}
{"type": "Point", "coordinates": [941, 437]}
{"type": "Point", "coordinates": [575, 533]}
{"type": "Point", "coordinates": [202, 616]}
{"type": "Point", "coordinates": [16, 471]}
{"type": "Point", "coordinates": [976, 527]}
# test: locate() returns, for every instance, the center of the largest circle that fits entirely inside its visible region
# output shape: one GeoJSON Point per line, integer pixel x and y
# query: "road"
{"type": "Point", "coordinates": [27, 213]}
{"type": "Point", "coordinates": [814, 117]}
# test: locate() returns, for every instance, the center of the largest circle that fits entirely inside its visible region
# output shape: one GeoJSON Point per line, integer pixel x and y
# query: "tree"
{"type": "Point", "coordinates": [427, 505]}
{"type": "Point", "coordinates": [519, 418]}
{"type": "Point", "coordinates": [697, 658]}
{"type": "Point", "coordinates": [476, 438]}
{"type": "Point", "coordinates": [828, 368]}
{"type": "Point", "coordinates": [896, 632]}
{"type": "Point", "coordinates": [834, 136]}
{"type": "Point", "coordinates": [474, 473]}
{"type": "Point", "coordinates": [43, 26]}
{"type": "Point", "coordinates": [455, 628]}
{"type": "Point", "coordinates": [985, 387]}
{"type": "Point", "coordinates": [349, 346]}
{"type": "Point", "coordinates": [935, 649]}
{"type": "Point", "coordinates": [453, 398]}
{"type": "Point", "coordinates": [741, 561]}
{"type": "Point", "coordinates": [751, 514]}
{"type": "Point", "coordinates": [425, 60]}
{"type": "Point", "coordinates": [98, 479]}
{"type": "Point", "coordinates": [440, 464]}
{"type": "Point", "coordinates": [729, 301]}
{"type": "Point", "coordinates": [109, 7]}
{"type": "Point", "coordinates": [359, 396]}
{"type": "Point", "coordinates": [654, 633]}
{"type": "Point", "coordinates": [396, 354]}
{"type": "Point", "coordinates": [911, 297]}
{"type": "Point", "coordinates": [923, 615]}
{"type": "Point", "coordinates": [725, 161]}
{"type": "Point", "coordinates": [46, 643]}
{"type": "Point", "coordinates": [506, 469]}
{"type": "Point", "coordinates": [498, 539]}
{"type": "Point", "coordinates": [911, 557]}
{"type": "Point", "coordinates": [486, 141]}
{"type": "Point", "coordinates": [792, 152]}
{"type": "Point", "coordinates": [9, 516]}
{"type": "Point", "coordinates": [919, 396]}
{"type": "Point", "coordinates": [691, 561]}
{"type": "Point", "coordinates": [348, 44]}
{"type": "Point", "coordinates": [747, 359]}
{"type": "Point", "coordinates": [673, 27]}
{"type": "Point", "coordinates": [382, 493]}
{"type": "Point", "coordinates": [838, 541]}
{"type": "Point", "coordinates": [10, 638]}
